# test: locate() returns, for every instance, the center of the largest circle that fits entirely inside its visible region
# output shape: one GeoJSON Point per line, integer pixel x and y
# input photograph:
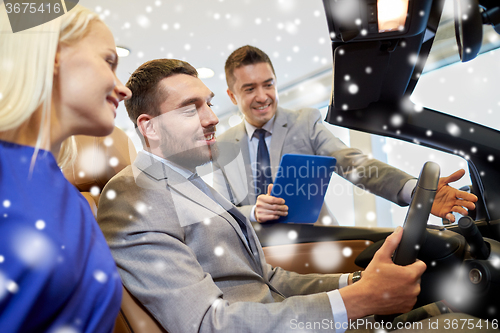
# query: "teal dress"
{"type": "Point", "coordinates": [56, 271]}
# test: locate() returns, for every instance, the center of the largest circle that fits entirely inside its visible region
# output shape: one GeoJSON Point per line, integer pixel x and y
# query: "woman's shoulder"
{"type": "Point", "coordinates": [50, 239]}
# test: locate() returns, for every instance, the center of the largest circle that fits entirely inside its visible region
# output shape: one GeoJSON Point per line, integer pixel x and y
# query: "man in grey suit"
{"type": "Point", "coordinates": [191, 258]}
{"type": "Point", "coordinates": [252, 87]}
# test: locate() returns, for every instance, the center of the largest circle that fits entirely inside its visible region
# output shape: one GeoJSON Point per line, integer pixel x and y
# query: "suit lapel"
{"type": "Point", "coordinates": [184, 193]}
{"type": "Point", "coordinates": [220, 208]}
{"type": "Point", "coordinates": [252, 246]}
{"type": "Point", "coordinates": [241, 140]}
{"type": "Point", "coordinates": [149, 165]}
{"type": "Point", "coordinates": [280, 129]}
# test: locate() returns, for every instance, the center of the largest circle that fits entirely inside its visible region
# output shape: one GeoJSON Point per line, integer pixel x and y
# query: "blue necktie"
{"type": "Point", "coordinates": [263, 170]}
{"type": "Point", "coordinates": [196, 180]}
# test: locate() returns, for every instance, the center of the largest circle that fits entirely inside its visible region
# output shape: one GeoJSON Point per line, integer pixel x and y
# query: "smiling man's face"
{"type": "Point", "coordinates": [187, 123]}
{"type": "Point", "coordinates": [254, 91]}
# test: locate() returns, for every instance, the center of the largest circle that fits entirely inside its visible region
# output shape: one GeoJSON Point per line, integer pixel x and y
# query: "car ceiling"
{"type": "Point", "coordinates": [293, 32]}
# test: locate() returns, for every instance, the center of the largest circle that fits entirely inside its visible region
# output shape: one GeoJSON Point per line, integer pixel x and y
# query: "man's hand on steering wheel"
{"type": "Point", "coordinates": [385, 287]}
{"type": "Point", "coordinates": [449, 199]}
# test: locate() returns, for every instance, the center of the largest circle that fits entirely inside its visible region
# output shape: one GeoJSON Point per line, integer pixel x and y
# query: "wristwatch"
{"type": "Point", "coordinates": [356, 276]}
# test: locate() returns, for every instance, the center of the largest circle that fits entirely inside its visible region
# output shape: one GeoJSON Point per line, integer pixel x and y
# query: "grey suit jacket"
{"type": "Point", "coordinates": [185, 258]}
{"type": "Point", "coordinates": [299, 132]}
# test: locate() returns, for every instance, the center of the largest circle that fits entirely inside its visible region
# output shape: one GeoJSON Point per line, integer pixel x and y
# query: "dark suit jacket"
{"type": "Point", "coordinates": [185, 258]}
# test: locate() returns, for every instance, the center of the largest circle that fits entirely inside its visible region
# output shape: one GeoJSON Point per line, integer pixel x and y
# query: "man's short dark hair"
{"type": "Point", "coordinates": [146, 93]}
{"type": "Point", "coordinates": [244, 56]}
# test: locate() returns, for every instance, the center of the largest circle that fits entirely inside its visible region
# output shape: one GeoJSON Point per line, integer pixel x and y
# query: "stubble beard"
{"type": "Point", "coordinates": [192, 157]}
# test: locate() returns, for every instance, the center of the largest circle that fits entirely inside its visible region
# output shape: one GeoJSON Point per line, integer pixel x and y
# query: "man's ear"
{"type": "Point", "coordinates": [146, 126]}
{"type": "Point", "coordinates": [231, 95]}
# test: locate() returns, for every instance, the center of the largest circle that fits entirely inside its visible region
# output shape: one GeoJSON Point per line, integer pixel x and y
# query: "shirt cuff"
{"type": "Point", "coordinates": [252, 215]}
{"type": "Point", "coordinates": [405, 193]}
{"type": "Point", "coordinates": [344, 280]}
{"type": "Point", "coordinates": [338, 310]}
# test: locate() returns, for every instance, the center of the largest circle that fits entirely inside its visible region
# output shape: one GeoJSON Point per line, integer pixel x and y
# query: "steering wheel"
{"type": "Point", "coordinates": [416, 218]}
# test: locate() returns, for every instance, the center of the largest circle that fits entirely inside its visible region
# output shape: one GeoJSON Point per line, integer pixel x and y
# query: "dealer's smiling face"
{"type": "Point", "coordinates": [254, 91]}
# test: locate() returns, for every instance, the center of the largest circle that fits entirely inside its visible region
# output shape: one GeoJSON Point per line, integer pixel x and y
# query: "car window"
{"type": "Point", "coordinates": [465, 90]}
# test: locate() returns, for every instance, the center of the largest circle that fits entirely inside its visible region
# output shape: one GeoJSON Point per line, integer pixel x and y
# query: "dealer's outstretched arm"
{"type": "Point", "coordinates": [448, 199]}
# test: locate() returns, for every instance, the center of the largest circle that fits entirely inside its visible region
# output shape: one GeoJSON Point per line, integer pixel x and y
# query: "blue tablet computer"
{"type": "Point", "coordinates": [302, 180]}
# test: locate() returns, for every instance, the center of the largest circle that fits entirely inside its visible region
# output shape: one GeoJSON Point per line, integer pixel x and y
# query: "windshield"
{"type": "Point", "coordinates": [465, 90]}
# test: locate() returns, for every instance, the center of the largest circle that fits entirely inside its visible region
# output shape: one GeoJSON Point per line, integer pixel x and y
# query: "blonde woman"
{"type": "Point", "coordinates": [56, 80]}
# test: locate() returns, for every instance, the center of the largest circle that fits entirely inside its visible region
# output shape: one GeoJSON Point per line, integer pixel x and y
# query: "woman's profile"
{"type": "Point", "coordinates": [57, 80]}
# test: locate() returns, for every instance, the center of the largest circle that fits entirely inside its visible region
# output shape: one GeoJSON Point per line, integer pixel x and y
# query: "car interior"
{"type": "Point", "coordinates": [387, 93]}
{"type": "Point", "coordinates": [463, 259]}
{"type": "Point", "coordinates": [98, 160]}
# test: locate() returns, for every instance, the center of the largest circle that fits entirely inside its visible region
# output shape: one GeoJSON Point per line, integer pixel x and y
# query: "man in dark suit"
{"type": "Point", "coordinates": [277, 131]}
{"type": "Point", "coordinates": [191, 258]}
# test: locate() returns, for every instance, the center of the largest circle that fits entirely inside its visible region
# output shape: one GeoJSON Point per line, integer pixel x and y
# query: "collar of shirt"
{"type": "Point", "coordinates": [251, 128]}
{"type": "Point", "coordinates": [183, 171]}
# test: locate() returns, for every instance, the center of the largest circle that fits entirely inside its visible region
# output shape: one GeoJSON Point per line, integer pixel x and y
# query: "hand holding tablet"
{"type": "Point", "coordinates": [302, 180]}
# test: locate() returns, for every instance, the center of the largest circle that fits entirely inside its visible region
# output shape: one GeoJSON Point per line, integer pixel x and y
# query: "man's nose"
{"type": "Point", "coordinates": [208, 117]}
{"type": "Point", "coordinates": [261, 95]}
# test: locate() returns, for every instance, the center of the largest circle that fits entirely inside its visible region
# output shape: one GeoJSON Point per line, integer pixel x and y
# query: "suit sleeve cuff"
{"type": "Point", "coordinates": [338, 310]}
{"type": "Point", "coordinates": [252, 215]}
{"type": "Point", "coordinates": [343, 280]}
{"type": "Point", "coordinates": [405, 194]}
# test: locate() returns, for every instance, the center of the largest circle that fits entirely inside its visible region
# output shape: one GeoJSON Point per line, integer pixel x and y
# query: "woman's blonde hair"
{"type": "Point", "coordinates": [27, 61]}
